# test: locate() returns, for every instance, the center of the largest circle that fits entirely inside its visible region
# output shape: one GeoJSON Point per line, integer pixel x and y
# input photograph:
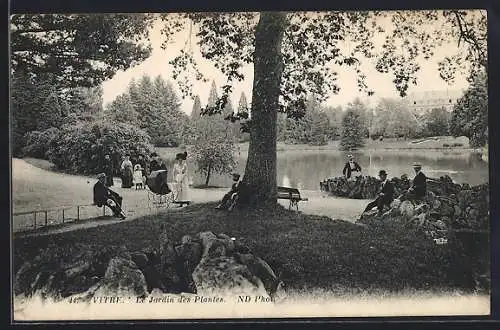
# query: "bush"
{"type": "Point", "coordinates": [457, 145]}
{"type": "Point", "coordinates": [81, 148]}
{"type": "Point", "coordinates": [38, 142]}
{"type": "Point", "coordinates": [446, 145]}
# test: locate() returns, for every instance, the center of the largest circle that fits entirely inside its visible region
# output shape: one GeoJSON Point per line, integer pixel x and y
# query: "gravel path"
{"type": "Point", "coordinates": [35, 189]}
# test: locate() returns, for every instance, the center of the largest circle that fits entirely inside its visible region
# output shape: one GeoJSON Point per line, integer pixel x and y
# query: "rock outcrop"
{"type": "Point", "coordinates": [366, 187]}
{"type": "Point", "coordinates": [447, 208]}
{"type": "Point", "coordinates": [362, 187]}
{"type": "Point", "coordinates": [198, 264]}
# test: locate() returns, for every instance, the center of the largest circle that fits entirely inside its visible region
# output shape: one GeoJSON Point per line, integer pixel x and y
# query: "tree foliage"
{"type": "Point", "coordinates": [313, 128]}
{"type": "Point", "coordinates": [298, 50]}
{"type": "Point", "coordinates": [81, 148]}
{"type": "Point", "coordinates": [153, 106]}
{"type": "Point", "coordinates": [470, 114]}
{"type": "Point", "coordinates": [214, 148]}
{"type": "Point", "coordinates": [82, 49]}
{"type": "Point", "coordinates": [33, 108]}
{"type": "Point", "coordinates": [393, 118]}
{"type": "Point", "coordinates": [196, 112]}
{"type": "Point", "coordinates": [437, 122]}
{"type": "Point", "coordinates": [352, 127]}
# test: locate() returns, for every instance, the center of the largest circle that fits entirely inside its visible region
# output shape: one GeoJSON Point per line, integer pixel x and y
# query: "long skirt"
{"type": "Point", "coordinates": [182, 188]}
{"type": "Point", "coordinates": [109, 180]}
{"type": "Point", "coordinates": [127, 178]}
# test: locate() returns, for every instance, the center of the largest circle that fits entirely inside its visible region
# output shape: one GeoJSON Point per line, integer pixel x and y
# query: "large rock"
{"type": "Point", "coordinates": [55, 276]}
{"type": "Point", "coordinates": [122, 278]}
{"type": "Point", "coordinates": [262, 270]}
{"type": "Point", "coordinates": [228, 266]}
{"type": "Point", "coordinates": [439, 215]}
{"type": "Point", "coordinates": [223, 274]}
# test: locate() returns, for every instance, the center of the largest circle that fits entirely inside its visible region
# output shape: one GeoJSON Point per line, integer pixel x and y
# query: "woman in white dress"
{"type": "Point", "coordinates": [181, 179]}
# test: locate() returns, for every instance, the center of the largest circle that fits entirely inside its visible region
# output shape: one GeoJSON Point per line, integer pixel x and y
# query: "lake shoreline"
{"type": "Point", "coordinates": [459, 144]}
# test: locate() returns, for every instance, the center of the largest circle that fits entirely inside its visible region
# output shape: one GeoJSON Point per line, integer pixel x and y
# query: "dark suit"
{"type": "Point", "coordinates": [156, 166]}
{"type": "Point", "coordinates": [419, 185]}
{"type": "Point", "coordinates": [235, 188]}
{"type": "Point", "coordinates": [387, 190]}
{"type": "Point", "coordinates": [109, 171]}
{"type": "Point", "coordinates": [347, 169]}
{"type": "Point", "coordinates": [103, 193]}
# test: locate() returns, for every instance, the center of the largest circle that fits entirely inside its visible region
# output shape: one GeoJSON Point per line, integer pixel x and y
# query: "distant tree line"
{"type": "Point", "coordinates": [390, 118]}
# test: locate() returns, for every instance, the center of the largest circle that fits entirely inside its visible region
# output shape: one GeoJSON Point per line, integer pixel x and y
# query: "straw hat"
{"type": "Point", "coordinates": [101, 175]}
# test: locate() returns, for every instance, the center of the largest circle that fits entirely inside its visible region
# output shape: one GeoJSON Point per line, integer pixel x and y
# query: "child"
{"type": "Point", "coordinates": [138, 180]}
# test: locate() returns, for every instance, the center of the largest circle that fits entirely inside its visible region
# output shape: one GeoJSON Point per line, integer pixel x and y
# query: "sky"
{"type": "Point", "coordinates": [157, 64]}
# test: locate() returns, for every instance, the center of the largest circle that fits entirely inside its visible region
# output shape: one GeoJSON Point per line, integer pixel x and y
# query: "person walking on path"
{"type": "Point", "coordinates": [181, 178]}
{"type": "Point", "coordinates": [127, 172]}
{"type": "Point", "coordinates": [108, 169]}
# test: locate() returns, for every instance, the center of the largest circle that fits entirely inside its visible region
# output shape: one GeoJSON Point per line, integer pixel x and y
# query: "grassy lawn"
{"type": "Point", "coordinates": [310, 252]}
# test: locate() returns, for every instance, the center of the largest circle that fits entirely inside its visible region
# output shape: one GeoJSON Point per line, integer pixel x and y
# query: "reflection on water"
{"type": "Point", "coordinates": [306, 169]}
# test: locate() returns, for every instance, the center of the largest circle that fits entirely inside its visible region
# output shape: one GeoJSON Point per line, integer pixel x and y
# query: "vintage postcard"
{"type": "Point", "coordinates": [249, 165]}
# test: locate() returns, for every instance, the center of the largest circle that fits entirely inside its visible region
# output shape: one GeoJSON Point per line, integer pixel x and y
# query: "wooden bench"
{"type": "Point", "coordinates": [292, 194]}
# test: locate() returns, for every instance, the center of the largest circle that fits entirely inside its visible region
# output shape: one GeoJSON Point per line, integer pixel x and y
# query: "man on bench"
{"type": "Point", "coordinates": [103, 196]}
{"type": "Point", "coordinates": [231, 197]}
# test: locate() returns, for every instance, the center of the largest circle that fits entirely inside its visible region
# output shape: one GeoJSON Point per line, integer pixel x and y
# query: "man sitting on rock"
{"type": "Point", "coordinates": [230, 198]}
{"type": "Point", "coordinates": [385, 196]}
{"type": "Point", "coordinates": [103, 196]}
{"type": "Point", "coordinates": [418, 189]}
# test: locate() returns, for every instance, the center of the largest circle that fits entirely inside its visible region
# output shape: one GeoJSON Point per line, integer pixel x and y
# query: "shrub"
{"type": "Point", "coordinates": [80, 148]}
{"type": "Point", "coordinates": [457, 145]}
{"type": "Point", "coordinates": [446, 145]}
{"type": "Point", "coordinates": [213, 151]}
{"type": "Point", "coordinates": [38, 142]}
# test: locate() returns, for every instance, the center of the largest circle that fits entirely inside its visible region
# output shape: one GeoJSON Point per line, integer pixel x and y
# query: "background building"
{"type": "Point", "coordinates": [421, 102]}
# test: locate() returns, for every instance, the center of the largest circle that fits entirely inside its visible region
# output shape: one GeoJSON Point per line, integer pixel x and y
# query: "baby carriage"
{"type": "Point", "coordinates": [159, 192]}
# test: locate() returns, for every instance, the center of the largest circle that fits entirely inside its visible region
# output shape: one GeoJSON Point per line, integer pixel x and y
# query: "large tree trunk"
{"type": "Point", "coordinates": [260, 171]}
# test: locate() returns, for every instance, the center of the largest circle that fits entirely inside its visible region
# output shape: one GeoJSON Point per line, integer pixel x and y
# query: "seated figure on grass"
{"type": "Point", "coordinates": [231, 197]}
{"type": "Point", "coordinates": [103, 196]}
{"type": "Point", "coordinates": [385, 196]}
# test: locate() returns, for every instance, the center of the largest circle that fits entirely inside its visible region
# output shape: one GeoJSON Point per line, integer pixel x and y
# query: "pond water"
{"type": "Point", "coordinates": [304, 169]}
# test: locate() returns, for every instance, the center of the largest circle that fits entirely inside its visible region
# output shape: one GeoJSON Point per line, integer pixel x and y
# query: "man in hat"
{"type": "Point", "coordinates": [108, 170]}
{"type": "Point", "coordinates": [105, 196]}
{"type": "Point", "coordinates": [418, 189]}
{"type": "Point", "coordinates": [156, 163]}
{"type": "Point", "coordinates": [385, 196]}
{"type": "Point", "coordinates": [232, 195]}
{"type": "Point", "coordinates": [350, 167]}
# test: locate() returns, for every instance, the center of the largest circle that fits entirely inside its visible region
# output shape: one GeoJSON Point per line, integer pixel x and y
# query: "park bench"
{"type": "Point", "coordinates": [292, 194]}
